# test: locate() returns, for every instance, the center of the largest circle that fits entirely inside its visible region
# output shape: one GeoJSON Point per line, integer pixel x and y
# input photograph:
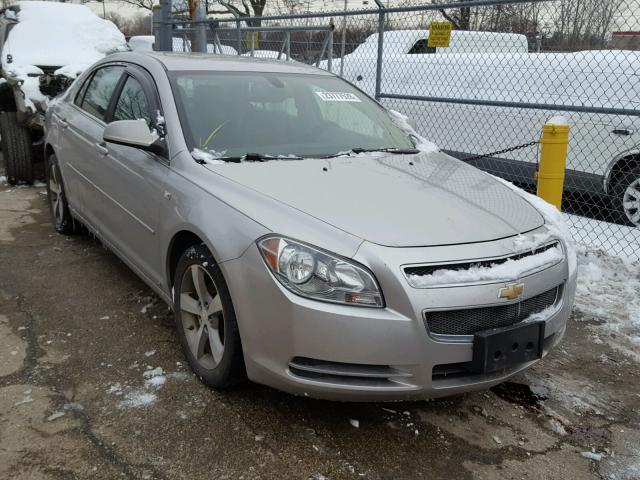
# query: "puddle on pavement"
{"type": "Point", "coordinates": [521, 394]}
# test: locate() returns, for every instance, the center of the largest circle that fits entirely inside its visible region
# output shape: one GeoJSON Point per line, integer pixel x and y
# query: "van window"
{"type": "Point", "coordinates": [422, 46]}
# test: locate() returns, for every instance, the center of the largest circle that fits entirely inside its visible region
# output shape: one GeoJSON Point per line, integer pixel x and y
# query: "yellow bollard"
{"type": "Point", "coordinates": [553, 160]}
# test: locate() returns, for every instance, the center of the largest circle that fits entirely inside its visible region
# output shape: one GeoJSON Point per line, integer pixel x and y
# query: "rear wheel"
{"type": "Point", "coordinates": [627, 197]}
{"type": "Point", "coordinates": [17, 149]}
{"type": "Point", "coordinates": [206, 321]}
{"type": "Point", "coordinates": [58, 206]}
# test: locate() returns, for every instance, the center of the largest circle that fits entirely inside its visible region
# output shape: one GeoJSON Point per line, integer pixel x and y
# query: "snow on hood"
{"type": "Point", "coordinates": [59, 34]}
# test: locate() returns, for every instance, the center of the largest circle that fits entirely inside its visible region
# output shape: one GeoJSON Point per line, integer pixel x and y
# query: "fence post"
{"type": "Point", "coordinates": [553, 160]}
{"type": "Point", "coordinates": [163, 27]}
{"type": "Point", "coordinates": [343, 39]}
{"type": "Point", "coordinates": [330, 47]}
{"type": "Point", "coordinates": [201, 28]}
{"type": "Point", "coordinates": [239, 39]}
{"type": "Point", "coordinates": [381, 18]}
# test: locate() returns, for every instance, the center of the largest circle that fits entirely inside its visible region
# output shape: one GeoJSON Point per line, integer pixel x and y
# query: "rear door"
{"type": "Point", "coordinates": [83, 122]}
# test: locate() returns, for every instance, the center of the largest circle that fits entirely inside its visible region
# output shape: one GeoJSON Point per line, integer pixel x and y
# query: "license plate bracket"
{"type": "Point", "coordinates": [500, 348]}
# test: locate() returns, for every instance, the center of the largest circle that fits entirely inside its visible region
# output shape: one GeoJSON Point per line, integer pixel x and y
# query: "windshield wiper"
{"type": "Point", "coordinates": [397, 151]}
{"type": "Point", "coordinates": [259, 157]}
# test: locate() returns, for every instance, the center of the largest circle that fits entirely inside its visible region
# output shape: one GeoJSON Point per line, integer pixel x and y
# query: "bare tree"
{"type": "Point", "coordinates": [118, 20]}
{"type": "Point", "coordinates": [246, 8]}
{"type": "Point", "coordinates": [459, 17]}
{"type": "Point", "coordinates": [146, 4]}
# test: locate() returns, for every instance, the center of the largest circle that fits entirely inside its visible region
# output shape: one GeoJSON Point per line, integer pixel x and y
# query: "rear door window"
{"type": "Point", "coordinates": [101, 87]}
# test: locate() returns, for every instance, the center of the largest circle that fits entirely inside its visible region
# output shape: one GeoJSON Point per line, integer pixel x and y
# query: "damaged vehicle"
{"type": "Point", "coordinates": [304, 236]}
{"type": "Point", "coordinates": [44, 46]}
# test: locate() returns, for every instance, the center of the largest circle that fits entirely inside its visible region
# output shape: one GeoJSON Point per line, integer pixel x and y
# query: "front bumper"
{"type": "Point", "coordinates": [348, 353]}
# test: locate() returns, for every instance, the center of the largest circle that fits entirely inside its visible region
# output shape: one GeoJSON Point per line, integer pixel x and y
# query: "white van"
{"type": "Point", "coordinates": [604, 150]}
{"type": "Point", "coordinates": [416, 43]}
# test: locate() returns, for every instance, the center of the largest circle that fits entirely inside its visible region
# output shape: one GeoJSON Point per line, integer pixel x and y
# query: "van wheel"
{"type": "Point", "coordinates": [206, 321]}
{"type": "Point", "coordinates": [17, 149]}
{"type": "Point", "coordinates": [627, 197]}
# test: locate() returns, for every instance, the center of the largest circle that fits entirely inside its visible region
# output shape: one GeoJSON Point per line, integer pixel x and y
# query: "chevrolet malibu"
{"type": "Point", "coordinates": [303, 236]}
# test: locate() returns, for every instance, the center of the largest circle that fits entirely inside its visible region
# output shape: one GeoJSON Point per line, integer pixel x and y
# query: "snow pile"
{"type": "Point", "coordinates": [609, 290]}
{"type": "Point", "coordinates": [28, 74]}
{"type": "Point", "coordinates": [508, 270]}
{"type": "Point", "coordinates": [402, 122]}
{"type": "Point", "coordinates": [59, 34]}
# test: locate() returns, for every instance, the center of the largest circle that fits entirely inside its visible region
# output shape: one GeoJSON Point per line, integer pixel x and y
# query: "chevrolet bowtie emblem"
{"type": "Point", "coordinates": [511, 291]}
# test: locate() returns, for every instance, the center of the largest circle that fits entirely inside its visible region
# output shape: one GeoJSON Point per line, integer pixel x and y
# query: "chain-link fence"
{"type": "Point", "coordinates": [509, 67]}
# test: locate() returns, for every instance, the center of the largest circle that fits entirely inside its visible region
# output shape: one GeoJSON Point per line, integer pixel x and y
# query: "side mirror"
{"type": "Point", "coordinates": [133, 133]}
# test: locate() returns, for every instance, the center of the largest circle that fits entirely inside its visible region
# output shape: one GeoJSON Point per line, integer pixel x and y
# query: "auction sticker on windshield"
{"type": "Point", "coordinates": [338, 97]}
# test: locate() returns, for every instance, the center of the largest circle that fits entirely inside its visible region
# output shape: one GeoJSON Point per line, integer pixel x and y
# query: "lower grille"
{"type": "Point", "coordinates": [345, 373]}
{"type": "Point", "coordinates": [472, 320]}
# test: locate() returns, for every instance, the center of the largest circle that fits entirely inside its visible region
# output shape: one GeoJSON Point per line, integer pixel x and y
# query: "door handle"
{"type": "Point", "coordinates": [63, 123]}
{"type": "Point", "coordinates": [622, 131]}
{"type": "Point", "coordinates": [102, 148]}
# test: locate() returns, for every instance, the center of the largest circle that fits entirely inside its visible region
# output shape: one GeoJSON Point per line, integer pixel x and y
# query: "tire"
{"type": "Point", "coordinates": [17, 149]}
{"type": "Point", "coordinates": [61, 217]}
{"type": "Point", "coordinates": [627, 197]}
{"type": "Point", "coordinates": [209, 336]}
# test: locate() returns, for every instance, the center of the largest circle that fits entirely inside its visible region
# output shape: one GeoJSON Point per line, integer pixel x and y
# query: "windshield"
{"type": "Point", "coordinates": [277, 114]}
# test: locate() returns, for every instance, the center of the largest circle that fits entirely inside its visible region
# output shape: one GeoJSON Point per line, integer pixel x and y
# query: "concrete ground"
{"type": "Point", "coordinates": [78, 331]}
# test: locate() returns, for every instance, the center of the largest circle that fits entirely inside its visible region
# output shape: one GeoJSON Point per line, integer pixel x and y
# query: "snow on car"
{"type": "Point", "coordinates": [44, 45]}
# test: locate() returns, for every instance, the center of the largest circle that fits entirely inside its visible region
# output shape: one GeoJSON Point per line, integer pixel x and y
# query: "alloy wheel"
{"type": "Point", "coordinates": [631, 202]}
{"type": "Point", "coordinates": [55, 194]}
{"type": "Point", "coordinates": [202, 316]}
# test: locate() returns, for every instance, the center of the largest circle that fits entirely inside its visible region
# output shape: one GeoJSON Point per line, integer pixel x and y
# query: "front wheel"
{"type": "Point", "coordinates": [627, 197]}
{"type": "Point", "coordinates": [206, 321]}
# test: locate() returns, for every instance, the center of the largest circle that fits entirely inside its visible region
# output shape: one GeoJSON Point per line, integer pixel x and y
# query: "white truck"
{"type": "Point", "coordinates": [44, 46]}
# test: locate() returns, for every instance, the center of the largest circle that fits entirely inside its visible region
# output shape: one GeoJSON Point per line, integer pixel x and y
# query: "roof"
{"type": "Point", "coordinates": [212, 62]}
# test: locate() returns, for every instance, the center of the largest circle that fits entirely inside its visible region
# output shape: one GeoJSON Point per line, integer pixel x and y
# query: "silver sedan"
{"type": "Point", "coordinates": [303, 236]}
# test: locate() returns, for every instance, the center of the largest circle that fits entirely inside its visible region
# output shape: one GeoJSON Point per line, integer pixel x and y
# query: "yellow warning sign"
{"type": "Point", "coordinates": [439, 34]}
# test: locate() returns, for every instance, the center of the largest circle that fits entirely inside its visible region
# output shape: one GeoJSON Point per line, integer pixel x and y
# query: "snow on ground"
{"type": "Point", "coordinates": [135, 396]}
{"type": "Point", "coordinates": [616, 240]}
{"type": "Point", "coordinates": [609, 291]}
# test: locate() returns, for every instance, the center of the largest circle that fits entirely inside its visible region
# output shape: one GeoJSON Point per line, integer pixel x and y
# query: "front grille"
{"type": "Point", "coordinates": [424, 270]}
{"type": "Point", "coordinates": [471, 320]}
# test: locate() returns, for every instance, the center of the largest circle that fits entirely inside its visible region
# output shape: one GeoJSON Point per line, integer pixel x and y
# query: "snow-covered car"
{"type": "Point", "coordinates": [44, 46]}
{"type": "Point", "coordinates": [304, 236]}
{"type": "Point", "coordinates": [604, 149]}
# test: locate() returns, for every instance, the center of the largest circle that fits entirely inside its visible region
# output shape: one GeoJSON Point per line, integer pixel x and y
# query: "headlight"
{"type": "Point", "coordinates": [311, 273]}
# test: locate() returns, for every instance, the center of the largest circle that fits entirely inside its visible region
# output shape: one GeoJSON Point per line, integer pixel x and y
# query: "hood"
{"type": "Point", "coordinates": [393, 200]}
